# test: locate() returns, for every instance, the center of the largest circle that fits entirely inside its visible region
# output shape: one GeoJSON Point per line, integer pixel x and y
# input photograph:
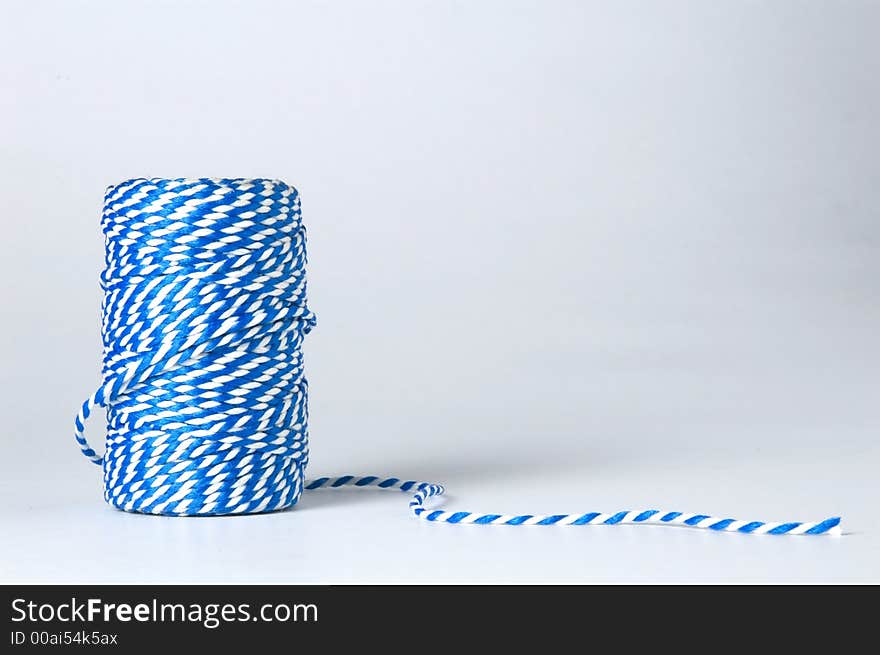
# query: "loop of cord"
{"type": "Point", "coordinates": [203, 319]}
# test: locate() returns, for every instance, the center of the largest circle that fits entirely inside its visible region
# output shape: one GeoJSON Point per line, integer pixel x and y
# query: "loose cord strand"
{"type": "Point", "coordinates": [422, 491]}
{"type": "Point", "coordinates": [203, 320]}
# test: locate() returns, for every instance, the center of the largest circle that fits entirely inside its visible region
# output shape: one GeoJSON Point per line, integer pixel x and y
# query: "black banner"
{"type": "Point", "coordinates": [165, 617]}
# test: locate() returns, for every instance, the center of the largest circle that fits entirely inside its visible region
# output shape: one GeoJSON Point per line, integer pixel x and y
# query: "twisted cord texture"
{"type": "Point", "coordinates": [203, 318]}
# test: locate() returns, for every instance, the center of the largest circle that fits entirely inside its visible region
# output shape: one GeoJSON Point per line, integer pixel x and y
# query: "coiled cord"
{"type": "Point", "coordinates": [203, 319]}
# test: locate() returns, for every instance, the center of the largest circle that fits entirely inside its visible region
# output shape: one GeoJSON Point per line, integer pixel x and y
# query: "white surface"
{"type": "Point", "coordinates": [564, 256]}
{"type": "Point", "coordinates": [368, 537]}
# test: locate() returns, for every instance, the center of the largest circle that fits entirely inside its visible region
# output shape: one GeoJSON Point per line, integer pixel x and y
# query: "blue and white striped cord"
{"type": "Point", "coordinates": [423, 490]}
{"type": "Point", "coordinates": [203, 319]}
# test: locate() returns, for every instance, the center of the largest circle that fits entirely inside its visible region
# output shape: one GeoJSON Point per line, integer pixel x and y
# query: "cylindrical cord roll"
{"type": "Point", "coordinates": [204, 313]}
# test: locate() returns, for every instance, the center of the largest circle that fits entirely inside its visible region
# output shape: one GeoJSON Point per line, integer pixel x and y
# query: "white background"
{"type": "Point", "coordinates": [565, 256]}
